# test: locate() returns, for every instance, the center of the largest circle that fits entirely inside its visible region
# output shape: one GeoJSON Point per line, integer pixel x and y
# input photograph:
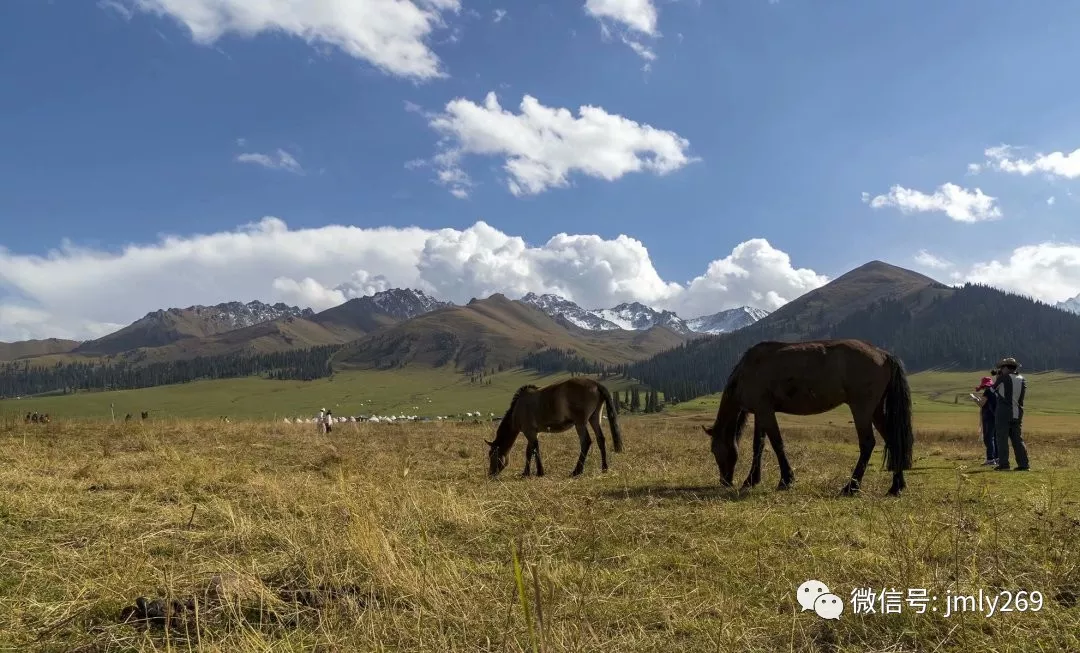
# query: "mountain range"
{"type": "Point", "coordinates": [925, 322]}
{"type": "Point", "coordinates": [258, 328]}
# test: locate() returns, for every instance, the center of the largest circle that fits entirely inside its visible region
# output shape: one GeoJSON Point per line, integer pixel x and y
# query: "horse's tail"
{"type": "Point", "coordinates": [899, 433]}
{"type": "Point", "coordinates": [616, 434]}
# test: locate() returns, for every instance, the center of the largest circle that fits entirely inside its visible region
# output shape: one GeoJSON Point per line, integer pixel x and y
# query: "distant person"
{"type": "Point", "coordinates": [1010, 388]}
{"type": "Point", "coordinates": [329, 420]}
{"type": "Point", "coordinates": [987, 401]}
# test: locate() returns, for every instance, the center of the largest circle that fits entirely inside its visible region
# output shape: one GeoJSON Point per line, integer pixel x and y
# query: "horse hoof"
{"type": "Point", "coordinates": [782, 485]}
{"type": "Point", "coordinates": [849, 491]}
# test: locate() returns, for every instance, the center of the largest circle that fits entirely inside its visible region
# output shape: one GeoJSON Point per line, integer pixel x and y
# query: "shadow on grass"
{"type": "Point", "coordinates": [687, 493]}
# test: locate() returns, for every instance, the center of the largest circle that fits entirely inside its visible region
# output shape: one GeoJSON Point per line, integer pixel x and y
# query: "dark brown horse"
{"type": "Point", "coordinates": [553, 409]}
{"type": "Point", "coordinates": [808, 378]}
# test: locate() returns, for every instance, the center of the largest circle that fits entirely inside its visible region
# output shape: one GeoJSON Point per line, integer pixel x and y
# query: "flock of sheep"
{"type": "Point", "coordinates": [475, 416]}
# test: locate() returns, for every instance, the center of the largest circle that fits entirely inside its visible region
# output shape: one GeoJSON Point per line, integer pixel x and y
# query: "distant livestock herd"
{"type": "Point", "coordinates": [474, 416]}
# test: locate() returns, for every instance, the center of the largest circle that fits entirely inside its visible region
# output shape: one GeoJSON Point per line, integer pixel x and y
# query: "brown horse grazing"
{"type": "Point", "coordinates": [808, 378]}
{"type": "Point", "coordinates": [554, 409]}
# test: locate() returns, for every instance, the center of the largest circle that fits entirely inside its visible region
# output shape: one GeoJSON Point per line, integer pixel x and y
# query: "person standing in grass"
{"type": "Point", "coordinates": [1010, 388]}
{"type": "Point", "coordinates": [987, 401]}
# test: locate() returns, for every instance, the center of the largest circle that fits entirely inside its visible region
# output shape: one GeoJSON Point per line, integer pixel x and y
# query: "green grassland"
{"type": "Point", "coordinates": [392, 538]}
{"type": "Point", "coordinates": [940, 398]}
{"type": "Point", "coordinates": [410, 391]}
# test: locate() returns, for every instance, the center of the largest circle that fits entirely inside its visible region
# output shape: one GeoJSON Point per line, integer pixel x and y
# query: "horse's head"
{"type": "Point", "coordinates": [724, 444]}
{"type": "Point", "coordinates": [497, 459]}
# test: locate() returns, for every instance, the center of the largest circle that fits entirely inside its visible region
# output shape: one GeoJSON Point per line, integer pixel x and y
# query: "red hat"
{"type": "Point", "coordinates": [986, 382]}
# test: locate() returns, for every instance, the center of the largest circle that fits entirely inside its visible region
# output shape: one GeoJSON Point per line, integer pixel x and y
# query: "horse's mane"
{"type": "Point", "coordinates": [520, 391]}
{"type": "Point", "coordinates": [729, 389]}
{"type": "Point", "coordinates": [505, 425]}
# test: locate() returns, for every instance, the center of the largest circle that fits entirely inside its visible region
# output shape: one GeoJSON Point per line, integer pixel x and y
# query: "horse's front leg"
{"type": "Point", "coordinates": [754, 477]}
{"type": "Point", "coordinates": [532, 448]}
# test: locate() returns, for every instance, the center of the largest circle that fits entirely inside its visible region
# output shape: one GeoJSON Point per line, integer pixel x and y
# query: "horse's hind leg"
{"type": "Point", "coordinates": [586, 442]}
{"type": "Point", "coordinates": [864, 427]}
{"type": "Point", "coordinates": [898, 483]}
{"type": "Point", "coordinates": [754, 477]}
{"type": "Point", "coordinates": [594, 421]}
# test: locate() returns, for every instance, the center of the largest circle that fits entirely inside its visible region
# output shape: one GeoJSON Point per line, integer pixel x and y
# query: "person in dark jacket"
{"type": "Point", "coordinates": [987, 401]}
{"type": "Point", "coordinates": [1010, 389]}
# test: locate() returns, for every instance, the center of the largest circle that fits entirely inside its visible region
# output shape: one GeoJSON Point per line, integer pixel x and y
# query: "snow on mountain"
{"type": "Point", "coordinates": [635, 316]}
{"type": "Point", "coordinates": [1070, 305]}
{"type": "Point", "coordinates": [726, 321]}
{"type": "Point", "coordinates": [404, 303]}
{"type": "Point", "coordinates": [237, 315]}
{"type": "Point", "coordinates": [554, 306]}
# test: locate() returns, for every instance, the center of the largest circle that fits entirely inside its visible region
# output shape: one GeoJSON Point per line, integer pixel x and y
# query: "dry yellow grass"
{"type": "Point", "coordinates": [391, 538]}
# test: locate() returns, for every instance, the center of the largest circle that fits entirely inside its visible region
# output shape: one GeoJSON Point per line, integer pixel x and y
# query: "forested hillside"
{"type": "Point", "coordinates": [20, 378]}
{"type": "Point", "coordinates": [969, 328]}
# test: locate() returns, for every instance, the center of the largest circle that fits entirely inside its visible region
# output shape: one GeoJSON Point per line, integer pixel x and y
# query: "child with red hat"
{"type": "Point", "coordinates": [987, 403]}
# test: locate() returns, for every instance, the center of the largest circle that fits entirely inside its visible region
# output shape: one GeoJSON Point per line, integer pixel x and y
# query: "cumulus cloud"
{"type": "Point", "coordinates": [281, 160]}
{"type": "Point", "coordinates": [928, 260]}
{"type": "Point", "coordinates": [542, 145]}
{"type": "Point", "coordinates": [1047, 271]}
{"type": "Point", "coordinates": [1054, 164]}
{"type": "Point", "coordinates": [498, 15]}
{"type": "Point", "coordinates": [958, 203]}
{"type": "Point", "coordinates": [82, 293]}
{"type": "Point", "coordinates": [389, 34]}
{"type": "Point", "coordinates": [754, 274]}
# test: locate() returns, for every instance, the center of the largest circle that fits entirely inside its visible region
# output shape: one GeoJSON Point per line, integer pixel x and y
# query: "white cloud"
{"type": "Point", "coordinates": [498, 16]}
{"type": "Point", "coordinates": [958, 203]}
{"type": "Point", "coordinates": [1055, 164]}
{"type": "Point", "coordinates": [1050, 200]}
{"type": "Point", "coordinates": [928, 260]}
{"type": "Point", "coordinates": [81, 293]}
{"type": "Point", "coordinates": [281, 160]}
{"type": "Point", "coordinates": [1047, 271]}
{"type": "Point", "coordinates": [389, 34]}
{"type": "Point", "coordinates": [638, 15]}
{"type": "Point", "coordinates": [542, 145]}
{"type": "Point", "coordinates": [754, 274]}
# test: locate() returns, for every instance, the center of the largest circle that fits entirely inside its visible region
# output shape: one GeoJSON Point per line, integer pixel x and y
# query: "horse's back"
{"type": "Point", "coordinates": [814, 375]}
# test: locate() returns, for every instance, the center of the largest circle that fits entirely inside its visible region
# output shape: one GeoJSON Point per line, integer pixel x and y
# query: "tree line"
{"type": "Point", "coordinates": [970, 328]}
{"type": "Point", "coordinates": [20, 378]}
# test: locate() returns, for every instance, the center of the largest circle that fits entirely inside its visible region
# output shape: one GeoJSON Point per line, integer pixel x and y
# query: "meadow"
{"type": "Point", "coordinates": [940, 398]}
{"type": "Point", "coordinates": [273, 537]}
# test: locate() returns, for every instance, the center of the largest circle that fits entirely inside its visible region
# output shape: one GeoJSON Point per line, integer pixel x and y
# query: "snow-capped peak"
{"type": "Point", "coordinates": [555, 305]}
{"type": "Point", "coordinates": [237, 315]}
{"type": "Point", "coordinates": [635, 316]}
{"type": "Point", "coordinates": [726, 321]}
{"type": "Point", "coordinates": [403, 303]}
{"type": "Point", "coordinates": [1070, 305]}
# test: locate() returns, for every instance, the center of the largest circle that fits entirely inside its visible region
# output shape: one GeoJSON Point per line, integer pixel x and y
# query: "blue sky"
{"type": "Point", "coordinates": [120, 126]}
